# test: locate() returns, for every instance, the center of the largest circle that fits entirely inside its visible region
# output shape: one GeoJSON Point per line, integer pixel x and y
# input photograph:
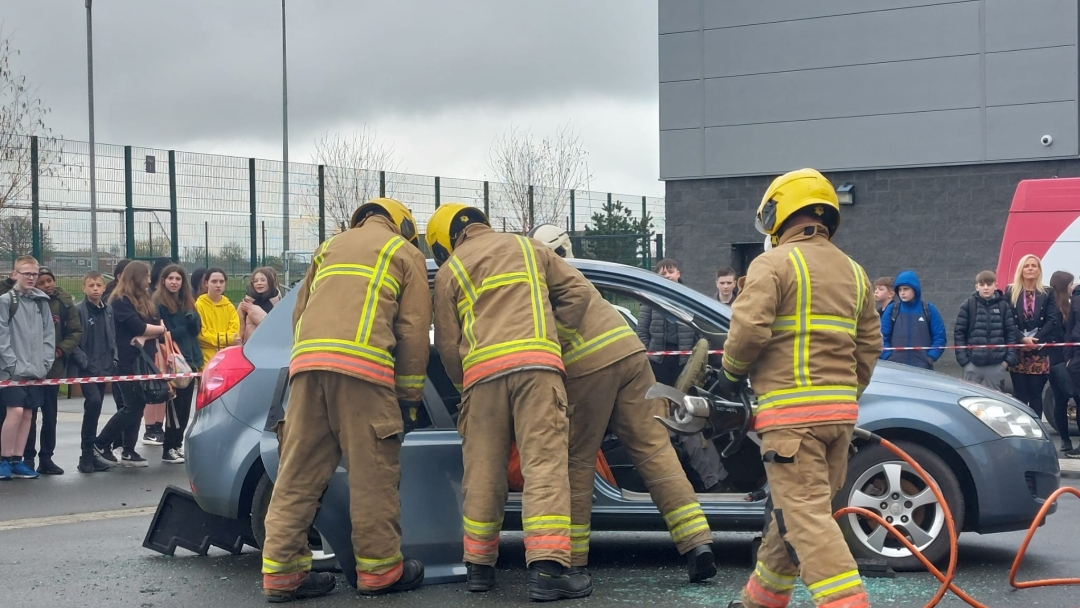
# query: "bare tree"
{"type": "Point", "coordinates": [352, 170]}
{"type": "Point", "coordinates": [22, 114]}
{"type": "Point", "coordinates": [553, 166]}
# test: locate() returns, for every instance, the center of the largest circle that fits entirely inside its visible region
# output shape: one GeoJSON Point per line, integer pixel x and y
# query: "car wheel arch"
{"type": "Point", "coordinates": [247, 489]}
{"type": "Point", "coordinates": [951, 458]}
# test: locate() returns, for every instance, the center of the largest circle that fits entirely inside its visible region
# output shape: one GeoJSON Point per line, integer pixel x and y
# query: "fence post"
{"type": "Point", "coordinates": [573, 212]}
{"type": "Point", "coordinates": [35, 202]}
{"type": "Point", "coordinates": [659, 246]}
{"type": "Point", "coordinates": [150, 239]}
{"type": "Point", "coordinates": [322, 205]}
{"type": "Point", "coordinates": [382, 184]}
{"type": "Point", "coordinates": [644, 212]}
{"type": "Point", "coordinates": [532, 210]}
{"type": "Point", "coordinates": [206, 249]}
{"type": "Point", "coordinates": [254, 226]}
{"type": "Point", "coordinates": [264, 242]}
{"type": "Point", "coordinates": [129, 205]}
{"type": "Point", "coordinates": [174, 232]}
{"type": "Point", "coordinates": [487, 201]}
{"type": "Point", "coordinates": [437, 199]}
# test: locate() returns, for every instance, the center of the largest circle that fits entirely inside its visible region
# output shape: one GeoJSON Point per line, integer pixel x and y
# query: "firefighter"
{"type": "Point", "coordinates": [553, 238]}
{"type": "Point", "coordinates": [805, 331]}
{"type": "Point", "coordinates": [607, 376]}
{"type": "Point", "coordinates": [495, 333]}
{"type": "Point", "coordinates": [357, 374]}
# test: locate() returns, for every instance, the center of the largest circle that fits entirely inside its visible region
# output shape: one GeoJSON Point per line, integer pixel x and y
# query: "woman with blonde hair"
{"type": "Point", "coordinates": [1039, 320]}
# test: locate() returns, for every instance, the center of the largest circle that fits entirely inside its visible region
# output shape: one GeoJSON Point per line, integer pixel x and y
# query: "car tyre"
{"type": "Point", "coordinates": [873, 473]}
{"type": "Point", "coordinates": [321, 561]}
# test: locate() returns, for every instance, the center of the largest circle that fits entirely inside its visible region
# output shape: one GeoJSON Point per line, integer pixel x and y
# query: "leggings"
{"type": "Point", "coordinates": [1028, 389]}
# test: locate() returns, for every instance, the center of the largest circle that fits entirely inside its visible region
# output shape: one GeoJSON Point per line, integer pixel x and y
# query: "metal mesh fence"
{"type": "Point", "coordinates": [214, 210]}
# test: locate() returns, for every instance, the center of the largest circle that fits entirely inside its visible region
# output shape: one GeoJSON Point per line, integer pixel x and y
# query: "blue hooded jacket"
{"type": "Point", "coordinates": [912, 328]}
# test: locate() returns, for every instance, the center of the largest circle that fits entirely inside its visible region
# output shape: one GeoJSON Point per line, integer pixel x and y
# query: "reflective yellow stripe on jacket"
{"type": "Point", "coordinates": [356, 357]}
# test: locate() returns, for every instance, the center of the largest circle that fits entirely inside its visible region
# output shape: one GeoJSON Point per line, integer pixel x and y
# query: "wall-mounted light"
{"type": "Point", "coordinates": [846, 194]}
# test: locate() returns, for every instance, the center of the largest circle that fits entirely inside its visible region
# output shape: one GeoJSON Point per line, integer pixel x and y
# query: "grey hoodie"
{"type": "Point", "coordinates": [27, 342]}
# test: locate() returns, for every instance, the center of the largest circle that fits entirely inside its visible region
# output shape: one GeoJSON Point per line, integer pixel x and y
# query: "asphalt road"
{"type": "Point", "coordinates": [76, 540]}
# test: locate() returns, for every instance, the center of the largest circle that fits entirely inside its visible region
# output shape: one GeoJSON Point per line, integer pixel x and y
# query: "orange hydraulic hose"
{"type": "Point", "coordinates": [947, 578]}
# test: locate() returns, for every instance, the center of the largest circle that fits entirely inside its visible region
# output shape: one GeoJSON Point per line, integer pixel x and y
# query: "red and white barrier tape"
{"type": "Point", "coordinates": [665, 353]}
{"type": "Point", "coordinates": [95, 379]}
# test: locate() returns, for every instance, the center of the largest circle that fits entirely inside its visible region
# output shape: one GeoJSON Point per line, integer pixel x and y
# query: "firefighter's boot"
{"type": "Point", "coordinates": [701, 564]}
{"type": "Point", "coordinates": [480, 578]}
{"type": "Point", "coordinates": [549, 581]}
{"type": "Point", "coordinates": [315, 584]}
{"type": "Point", "coordinates": [412, 576]}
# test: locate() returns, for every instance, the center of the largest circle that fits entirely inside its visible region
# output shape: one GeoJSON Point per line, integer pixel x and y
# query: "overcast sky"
{"type": "Point", "coordinates": [436, 79]}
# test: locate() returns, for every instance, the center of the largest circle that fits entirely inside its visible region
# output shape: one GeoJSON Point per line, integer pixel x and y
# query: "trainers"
{"type": "Point", "coordinates": [92, 464]}
{"type": "Point", "coordinates": [1066, 446]}
{"type": "Point", "coordinates": [19, 470]}
{"type": "Point", "coordinates": [701, 564]}
{"type": "Point", "coordinates": [550, 581]}
{"type": "Point", "coordinates": [5, 470]}
{"type": "Point", "coordinates": [105, 454]}
{"type": "Point", "coordinates": [132, 459]}
{"type": "Point", "coordinates": [1073, 453]}
{"type": "Point", "coordinates": [316, 584]}
{"type": "Point", "coordinates": [412, 575]}
{"type": "Point", "coordinates": [150, 437]}
{"type": "Point", "coordinates": [480, 578]}
{"type": "Point", "coordinates": [172, 456]}
{"type": "Point", "coordinates": [48, 467]}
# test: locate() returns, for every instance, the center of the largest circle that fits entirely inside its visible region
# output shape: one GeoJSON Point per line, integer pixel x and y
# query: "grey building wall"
{"type": "Point", "coordinates": [945, 223]}
{"type": "Point", "coordinates": [753, 87]}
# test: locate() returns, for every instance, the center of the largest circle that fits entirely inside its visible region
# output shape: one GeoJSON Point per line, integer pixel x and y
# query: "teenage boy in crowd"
{"type": "Point", "coordinates": [883, 293]}
{"type": "Point", "coordinates": [912, 321]}
{"type": "Point", "coordinates": [68, 333]}
{"type": "Point", "coordinates": [94, 356]}
{"type": "Point", "coordinates": [726, 289]}
{"type": "Point", "coordinates": [27, 352]}
{"type": "Point", "coordinates": [986, 318]}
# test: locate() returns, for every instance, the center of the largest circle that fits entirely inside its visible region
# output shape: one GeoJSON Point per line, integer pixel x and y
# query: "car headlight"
{"type": "Point", "coordinates": [1004, 419]}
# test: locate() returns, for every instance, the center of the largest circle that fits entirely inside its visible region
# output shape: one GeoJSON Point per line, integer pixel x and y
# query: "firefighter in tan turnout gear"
{"type": "Point", "coordinates": [607, 376]}
{"type": "Point", "coordinates": [358, 365]}
{"type": "Point", "coordinates": [496, 335]}
{"type": "Point", "coordinates": [805, 331]}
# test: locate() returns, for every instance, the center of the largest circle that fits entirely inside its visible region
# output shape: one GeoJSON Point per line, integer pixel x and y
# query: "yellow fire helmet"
{"type": "Point", "coordinates": [446, 225]}
{"type": "Point", "coordinates": [794, 191]}
{"type": "Point", "coordinates": [393, 209]}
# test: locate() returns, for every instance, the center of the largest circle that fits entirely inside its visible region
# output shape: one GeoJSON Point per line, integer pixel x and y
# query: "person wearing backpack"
{"type": "Point", "coordinates": [911, 321]}
{"type": "Point", "coordinates": [986, 318]}
{"type": "Point", "coordinates": [137, 330]}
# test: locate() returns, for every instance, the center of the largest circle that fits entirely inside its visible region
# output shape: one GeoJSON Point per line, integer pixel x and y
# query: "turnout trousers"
{"type": "Point", "coordinates": [330, 417]}
{"type": "Point", "coordinates": [615, 395]}
{"type": "Point", "coordinates": [531, 406]}
{"type": "Point", "coordinates": [806, 467]}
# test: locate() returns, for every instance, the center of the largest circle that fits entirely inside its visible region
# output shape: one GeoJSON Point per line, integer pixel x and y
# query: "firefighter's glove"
{"type": "Point", "coordinates": [730, 386]}
{"type": "Point", "coordinates": [410, 413]}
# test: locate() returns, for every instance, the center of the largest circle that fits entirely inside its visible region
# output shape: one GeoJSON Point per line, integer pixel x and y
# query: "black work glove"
{"type": "Point", "coordinates": [410, 413]}
{"type": "Point", "coordinates": [730, 385]}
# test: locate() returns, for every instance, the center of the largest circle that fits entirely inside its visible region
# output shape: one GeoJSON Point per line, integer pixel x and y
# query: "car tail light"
{"type": "Point", "coordinates": [224, 371]}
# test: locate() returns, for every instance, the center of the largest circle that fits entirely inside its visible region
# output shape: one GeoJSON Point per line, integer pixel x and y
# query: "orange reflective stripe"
{"type": "Point", "coordinates": [481, 547]}
{"type": "Point", "coordinates": [367, 580]}
{"type": "Point", "coordinates": [321, 360]}
{"type": "Point", "coordinates": [859, 600]}
{"type": "Point", "coordinates": [554, 542]}
{"type": "Point", "coordinates": [763, 596]}
{"type": "Point", "coordinates": [506, 362]}
{"type": "Point", "coordinates": [807, 414]}
{"type": "Point", "coordinates": [284, 582]}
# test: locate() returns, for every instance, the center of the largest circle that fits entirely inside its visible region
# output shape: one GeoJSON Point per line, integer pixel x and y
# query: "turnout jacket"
{"type": "Point", "coordinates": [364, 310]}
{"type": "Point", "coordinates": [592, 334]}
{"type": "Point", "coordinates": [805, 330]}
{"type": "Point", "coordinates": [493, 313]}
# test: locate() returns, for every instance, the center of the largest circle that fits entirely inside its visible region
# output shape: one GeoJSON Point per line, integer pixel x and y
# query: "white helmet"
{"type": "Point", "coordinates": [555, 238]}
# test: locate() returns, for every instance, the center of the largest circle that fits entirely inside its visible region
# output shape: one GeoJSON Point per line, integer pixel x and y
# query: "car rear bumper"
{"type": "Point", "coordinates": [1014, 477]}
{"type": "Point", "coordinates": [220, 452]}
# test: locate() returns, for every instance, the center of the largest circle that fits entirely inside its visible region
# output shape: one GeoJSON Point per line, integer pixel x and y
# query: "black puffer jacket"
{"type": "Point", "coordinates": [656, 332]}
{"type": "Point", "coordinates": [982, 322]}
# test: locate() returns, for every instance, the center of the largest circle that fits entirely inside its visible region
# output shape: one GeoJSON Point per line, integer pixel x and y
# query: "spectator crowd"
{"type": "Point", "coordinates": [143, 321]}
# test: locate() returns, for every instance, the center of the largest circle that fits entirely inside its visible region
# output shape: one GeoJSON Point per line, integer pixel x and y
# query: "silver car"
{"type": "Point", "coordinates": [993, 461]}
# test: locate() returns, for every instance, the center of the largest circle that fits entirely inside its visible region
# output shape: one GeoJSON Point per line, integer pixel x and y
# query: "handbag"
{"type": "Point", "coordinates": [149, 391]}
{"type": "Point", "coordinates": [171, 361]}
